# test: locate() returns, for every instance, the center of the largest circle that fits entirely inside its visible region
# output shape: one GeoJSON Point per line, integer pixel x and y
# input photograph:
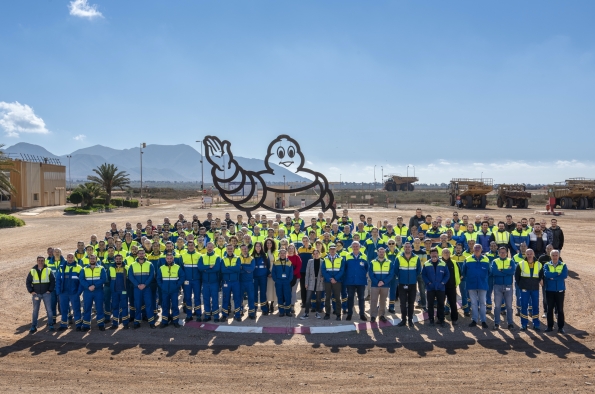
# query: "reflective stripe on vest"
{"type": "Point", "coordinates": [402, 231]}
{"type": "Point", "coordinates": [502, 264]}
{"type": "Point", "coordinates": [526, 270]}
{"type": "Point", "coordinates": [210, 260]}
{"type": "Point", "coordinates": [408, 265]}
{"type": "Point", "coordinates": [330, 263]}
{"type": "Point", "coordinates": [230, 261]}
{"type": "Point", "coordinates": [502, 237]}
{"type": "Point", "coordinates": [93, 273]}
{"type": "Point", "coordinates": [381, 267]}
{"type": "Point", "coordinates": [557, 268]}
{"type": "Point", "coordinates": [170, 272]}
{"type": "Point", "coordinates": [191, 260]}
{"type": "Point", "coordinates": [45, 276]}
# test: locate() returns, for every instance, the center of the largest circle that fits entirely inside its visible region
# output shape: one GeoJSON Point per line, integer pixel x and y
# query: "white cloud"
{"type": "Point", "coordinates": [18, 118]}
{"type": "Point", "coordinates": [80, 137]}
{"type": "Point", "coordinates": [83, 9]}
{"type": "Point", "coordinates": [334, 169]}
{"type": "Point", "coordinates": [309, 162]}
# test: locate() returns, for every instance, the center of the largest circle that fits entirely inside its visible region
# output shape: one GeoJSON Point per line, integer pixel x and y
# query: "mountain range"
{"type": "Point", "coordinates": [161, 163]}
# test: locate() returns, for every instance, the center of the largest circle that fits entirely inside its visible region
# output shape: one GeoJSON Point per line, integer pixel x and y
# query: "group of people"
{"type": "Point", "coordinates": [227, 269]}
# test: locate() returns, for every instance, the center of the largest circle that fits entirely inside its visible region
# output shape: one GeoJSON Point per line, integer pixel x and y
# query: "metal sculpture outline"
{"type": "Point", "coordinates": [289, 153]}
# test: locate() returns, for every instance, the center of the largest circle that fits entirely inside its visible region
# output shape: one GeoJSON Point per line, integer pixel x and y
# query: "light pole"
{"type": "Point", "coordinates": [69, 177]}
{"type": "Point", "coordinates": [482, 176]}
{"type": "Point", "coordinates": [202, 174]}
{"type": "Point", "coordinates": [142, 145]}
{"type": "Point", "coordinates": [374, 176]}
{"type": "Point", "coordinates": [413, 170]}
{"type": "Point", "coordinates": [283, 181]}
{"type": "Point", "coordinates": [408, 177]}
{"type": "Point", "coordinates": [381, 174]}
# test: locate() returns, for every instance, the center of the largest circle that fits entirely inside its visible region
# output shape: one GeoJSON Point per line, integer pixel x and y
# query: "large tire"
{"type": "Point", "coordinates": [469, 202]}
{"type": "Point", "coordinates": [499, 202]}
{"type": "Point", "coordinates": [565, 203]}
{"type": "Point", "coordinates": [452, 200]}
{"type": "Point", "coordinates": [484, 202]}
{"type": "Point", "coordinates": [582, 203]}
{"type": "Point", "coordinates": [393, 187]}
{"type": "Point", "coordinates": [403, 187]}
{"type": "Point", "coordinates": [590, 202]}
{"type": "Point", "coordinates": [526, 205]}
{"type": "Point", "coordinates": [411, 187]}
{"type": "Point", "coordinates": [509, 202]}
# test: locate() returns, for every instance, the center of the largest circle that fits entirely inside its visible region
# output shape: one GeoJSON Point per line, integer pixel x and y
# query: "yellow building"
{"type": "Point", "coordinates": [37, 184]}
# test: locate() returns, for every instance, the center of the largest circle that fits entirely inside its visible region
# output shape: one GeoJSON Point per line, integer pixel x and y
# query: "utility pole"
{"type": "Point", "coordinates": [69, 177]}
{"type": "Point", "coordinates": [202, 174]}
{"type": "Point", "coordinates": [381, 175]}
{"type": "Point", "coordinates": [142, 145]}
{"type": "Point", "coordinates": [374, 176]}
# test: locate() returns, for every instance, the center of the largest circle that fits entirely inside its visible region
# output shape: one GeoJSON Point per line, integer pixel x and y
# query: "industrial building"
{"type": "Point", "coordinates": [39, 182]}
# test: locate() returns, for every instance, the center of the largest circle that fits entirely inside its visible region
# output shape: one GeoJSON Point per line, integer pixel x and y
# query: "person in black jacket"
{"type": "Point", "coordinates": [557, 236]}
{"type": "Point", "coordinates": [418, 219]}
{"type": "Point", "coordinates": [451, 287]}
{"type": "Point", "coordinates": [40, 284]}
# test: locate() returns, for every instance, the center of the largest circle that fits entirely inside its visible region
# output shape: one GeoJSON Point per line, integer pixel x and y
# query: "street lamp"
{"type": "Point", "coordinates": [202, 174]}
{"type": "Point", "coordinates": [69, 177]}
{"type": "Point", "coordinates": [142, 146]}
{"type": "Point", "coordinates": [374, 176]}
{"type": "Point", "coordinates": [283, 181]}
{"type": "Point", "coordinates": [381, 174]}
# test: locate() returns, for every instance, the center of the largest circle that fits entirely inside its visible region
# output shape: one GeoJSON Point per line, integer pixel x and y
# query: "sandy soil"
{"type": "Point", "coordinates": [422, 358]}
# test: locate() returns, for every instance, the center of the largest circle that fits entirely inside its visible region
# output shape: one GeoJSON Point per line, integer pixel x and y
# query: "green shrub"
{"type": "Point", "coordinates": [77, 211]}
{"type": "Point", "coordinates": [10, 221]}
{"type": "Point", "coordinates": [118, 202]}
{"type": "Point", "coordinates": [76, 197]}
{"type": "Point", "coordinates": [131, 203]}
{"type": "Point", "coordinates": [99, 201]}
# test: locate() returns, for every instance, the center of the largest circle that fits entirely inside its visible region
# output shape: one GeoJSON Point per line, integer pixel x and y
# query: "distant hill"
{"type": "Point", "coordinates": [180, 163]}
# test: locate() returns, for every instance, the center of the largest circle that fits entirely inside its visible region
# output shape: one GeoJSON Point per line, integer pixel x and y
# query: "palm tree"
{"type": "Point", "coordinates": [90, 191]}
{"type": "Point", "coordinates": [6, 166]}
{"type": "Point", "coordinates": [109, 178]}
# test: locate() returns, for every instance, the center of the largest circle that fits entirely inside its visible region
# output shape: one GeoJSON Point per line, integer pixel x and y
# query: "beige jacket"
{"type": "Point", "coordinates": [311, 279]}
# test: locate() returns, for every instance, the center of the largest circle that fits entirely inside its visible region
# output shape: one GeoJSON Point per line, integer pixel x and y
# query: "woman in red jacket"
{"type": "Point", "coordinates": [296, 262]}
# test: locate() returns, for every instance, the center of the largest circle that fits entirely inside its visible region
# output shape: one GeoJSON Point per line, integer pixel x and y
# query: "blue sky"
{"type": "Point", "coordinates": [454, 88]}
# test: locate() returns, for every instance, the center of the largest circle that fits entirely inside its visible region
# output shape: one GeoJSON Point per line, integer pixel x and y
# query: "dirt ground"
{"type": "Point", "coordinates": [420, 359]}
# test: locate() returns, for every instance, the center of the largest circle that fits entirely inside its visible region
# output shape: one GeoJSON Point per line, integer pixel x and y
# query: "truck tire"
{"type": "Point", "coordinates": [484, 202]}
{"type": "Point", "coordinates": [452, 200]}
{"type": "Point", "coordinates": [469, 202]}
{"type": "Point", "coordinates": [526, 203]}
{"type": "Point", "coordinates": [411, 187]}
{"type": "Point", "coordinates": [590, 203]}
{"type": "Point", "coordinates": [403, 187]}
{"type": "Point", "coordinates": [509, 202]}
{"type": "Point", "coordinates": [499, 202]}
{"type": "Point", "coordinates": [565, 203]}
{"type": "Point", "coordinates": [581, 203]}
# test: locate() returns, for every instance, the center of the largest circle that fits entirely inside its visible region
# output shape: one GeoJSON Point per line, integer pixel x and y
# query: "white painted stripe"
{"type": "Point", "coordinates": [238, 329]}
{"type": "Point", "coordinates": [331, 330]}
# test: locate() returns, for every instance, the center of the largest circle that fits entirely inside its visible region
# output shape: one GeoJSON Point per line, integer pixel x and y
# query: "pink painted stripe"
{"type": "Point", "coordinates": [275, 330]}
{"type": "Point", "coordinates": [301, 330]}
